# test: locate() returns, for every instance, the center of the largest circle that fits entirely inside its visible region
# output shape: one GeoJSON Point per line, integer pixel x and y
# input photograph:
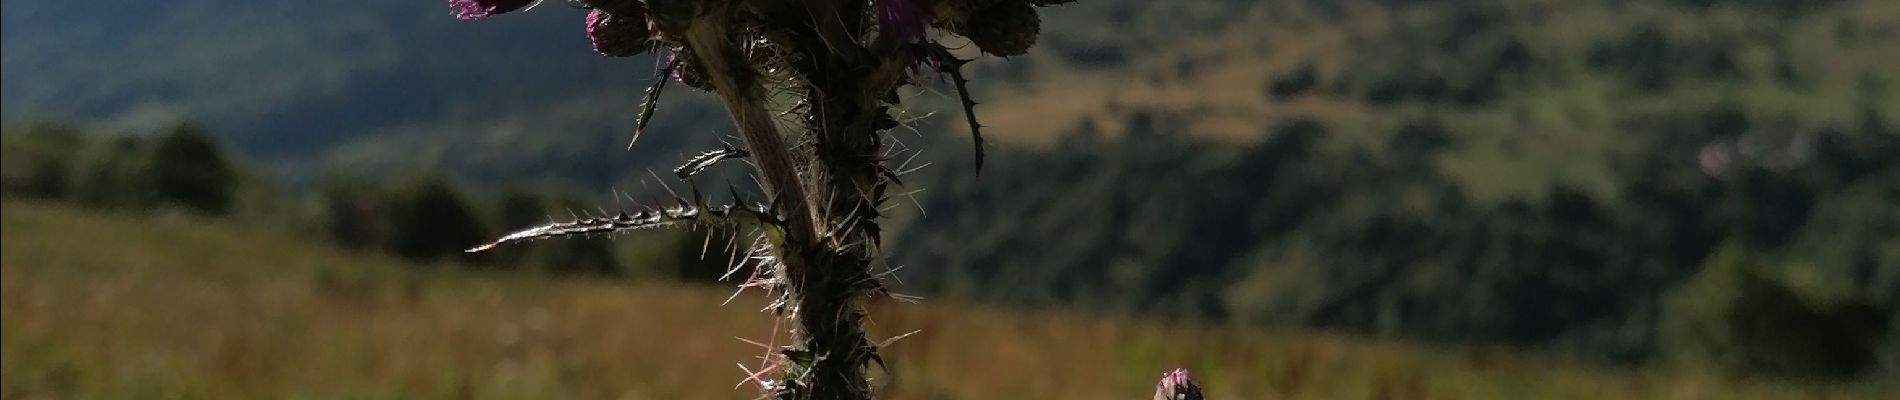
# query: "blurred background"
{"type": "Point", "coordinates": [1299, 199]}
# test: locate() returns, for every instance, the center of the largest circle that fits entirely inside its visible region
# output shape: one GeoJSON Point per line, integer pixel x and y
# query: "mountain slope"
{"type": "Point", "coordinates": [289, 79]}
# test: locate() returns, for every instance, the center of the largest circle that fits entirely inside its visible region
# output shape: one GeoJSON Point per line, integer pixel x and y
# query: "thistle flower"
{"type": "Point", "coordinates": [1177, 385]}
{"type": "Point", "coordinates": [618, 35]}
{"type": "Point", "coordinates": [468, 10]}
{"type": "Point", "coordinates": [900, 22]}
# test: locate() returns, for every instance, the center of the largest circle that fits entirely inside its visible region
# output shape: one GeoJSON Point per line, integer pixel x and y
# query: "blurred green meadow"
{"type": "Point", "coordinates": [115, 305]}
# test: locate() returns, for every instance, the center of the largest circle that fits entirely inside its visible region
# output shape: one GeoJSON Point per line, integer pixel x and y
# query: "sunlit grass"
{"type": "Point", "coordinates": [119, 306]}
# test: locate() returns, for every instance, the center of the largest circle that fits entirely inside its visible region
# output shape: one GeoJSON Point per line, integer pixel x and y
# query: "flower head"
{"type": "Point", "coordinates": [618, 35]}
{"type": "Point", "coordinates": [1177, 385]}
{"type": "Point", "coordinates": [1003, 29]}
{"type": "Point", "coordinates": [901, 22]}
{"type": "Point", "coordinates": [477, 9]}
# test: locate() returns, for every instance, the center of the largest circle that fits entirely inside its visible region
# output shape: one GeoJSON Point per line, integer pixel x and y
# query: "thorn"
{"type": "Point", "coordinates": [663, 185]}
{"type": "Point", "coordinates": [749, 341]}
{"type": "Point", "coordinates": [651, 100]}
{"type": "Point", "coordinates": [894, 339]}
{"type": "Point", "coordinates": [705, 245]}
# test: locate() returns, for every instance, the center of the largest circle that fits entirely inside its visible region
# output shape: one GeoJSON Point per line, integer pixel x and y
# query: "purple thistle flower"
{"type": "Point", "coordinates": [1177, 385]}
{"type": "Point", "coordinates": [900, 21]}
{"type": "Point", "coordinates": [468, 10]}
{"type": "Point", "coordinates": [617, 35]}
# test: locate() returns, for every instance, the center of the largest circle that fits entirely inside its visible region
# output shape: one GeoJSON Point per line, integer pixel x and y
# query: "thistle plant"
{"type": "Point", "coordinates": [1177, 385]}
{"type": "Point", "coordinates": [813, 89]}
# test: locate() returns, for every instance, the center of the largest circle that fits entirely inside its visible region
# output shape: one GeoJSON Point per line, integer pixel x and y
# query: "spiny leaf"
{"type": "Point", "coordinates": [705, 160]}
{"type": "Point", "coordinates": [628, 222]}
{"type": "Point", "coordinates": [949, 64]}
{"type": "Point", "coordinates": [652, 100]}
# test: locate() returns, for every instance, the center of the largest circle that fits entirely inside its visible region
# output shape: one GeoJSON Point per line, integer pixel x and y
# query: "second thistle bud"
{"type": "Point", "coordinates": [1177, 385]}
{"type": "Point", "coordinates": [618, 35]}
{"type": "Point", "coordinates": [1005, 28]}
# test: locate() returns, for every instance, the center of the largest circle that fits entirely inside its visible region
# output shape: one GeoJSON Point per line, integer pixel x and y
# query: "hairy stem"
{"type": "Point", "coordinates": [736, 81]}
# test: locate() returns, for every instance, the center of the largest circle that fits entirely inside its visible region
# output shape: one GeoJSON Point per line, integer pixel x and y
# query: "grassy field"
{"type": "Point", "coordinates": [121, 306]}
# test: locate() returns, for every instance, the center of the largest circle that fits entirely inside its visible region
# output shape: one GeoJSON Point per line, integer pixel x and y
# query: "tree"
{"type": "Point", "coordinates": [114, 174]}
{"type": "Point", "coordinates": [1736, 316]}
{"type": "Point", "coordinates": [39, 159]}
{"type": "Point", "coordinates": [190, 169]}
{"type": "Point", "coordinates": [431, 219]}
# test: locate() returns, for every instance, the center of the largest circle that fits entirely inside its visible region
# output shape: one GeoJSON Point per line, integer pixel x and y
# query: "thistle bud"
{"type": "Point", "coordinates": [477, 9]}
{"type": "Point", "coordinates": [1006, 28]}
{"type": "Point", "coordinates": [618, 35]}
{"type": "Point", "coordinates": [954, 15]}
{"type": "Point", "coordinates": [1177, 385]}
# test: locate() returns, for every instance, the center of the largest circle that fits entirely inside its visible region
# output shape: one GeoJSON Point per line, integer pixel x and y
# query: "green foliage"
{"type": "Point", "coordinates": [1292, 83]}
{"type": "Point", "coordinates": [113, 174]}
{"type": "Point", "coordinates": [1650, 59]}
{"type": "Point", "coordinates": [183, 167]}
{"type": "Point", "coordinates": [1467, 57]}
{"type": "Point", "coordinates": [39, 158]}
{"type": "Point", "coordinates": [702, 256]}
{"type": "Point", "coordinates": [1309, 228]}
{"type": "Point", "coordinates": [425, 216]}
{"type": "Point", "coordinates": [431, 219]}
{"type": "Point", "coordinates": [521, 208]}
{"type": "Point", "coordinates": [191, 170]}
{"type": "Point", "coordinates": [518, 208]}
{"type": "Point", "coordinates": [1734, 314]}
{"type": "Point", "coordinates": [1855, 236]}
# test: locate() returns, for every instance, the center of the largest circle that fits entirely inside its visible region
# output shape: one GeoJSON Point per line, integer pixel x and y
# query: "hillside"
{"type": "Point", "coordinates": [289, 82]}
{"type": "Point", "coordinates": [1547, 174]}
{"type": "Point", "coordinates": [399, 84]}
{"type": "Point", "coordinates": [379, 85]}
{"type": "Point", "coordinates": [112, 306]}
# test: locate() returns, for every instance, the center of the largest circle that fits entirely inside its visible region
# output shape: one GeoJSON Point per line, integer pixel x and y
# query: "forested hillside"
{"type": "Point", "coordinates": [1577, 176]}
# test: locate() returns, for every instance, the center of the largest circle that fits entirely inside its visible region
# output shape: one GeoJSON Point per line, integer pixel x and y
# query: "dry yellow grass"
{"type": "Point", "coordinates": [1215, 83]}
{"type": "Point", "coordinates": [118, 306]}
